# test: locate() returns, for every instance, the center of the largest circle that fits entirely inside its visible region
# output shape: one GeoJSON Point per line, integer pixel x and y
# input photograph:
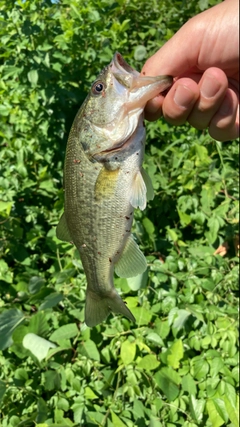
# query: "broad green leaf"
{"type": "Point", "coordinates": [213, 413]}
{"type": "Point", "coordinates": [142, 315]}
{"type": "Point", "coordinates": [51, 301]}
{"type": "Point", "coordinates": [35, 284]}
{"type": "Point", "coordinates": [196, 408]}
{"type": "Point", "coordinates": [5, 206]}
{"type": "Point", "coordinates": [51, 380]}
{"type": "Point", "coordinates": [89, 394]}
{"type": "Point", "coordinates": [128, 351]}
{"type": "Point", "coordinates": [200, 368]}
{"type": "Point", "coordinates": [116, 420]}
{"type": "Point", "coordinates": [176, 354]}
{"type": "Point", "coordinates": [33, 77]}
{"type": "Point", "coordinates": [185, 219]}
{"type": "Point", "coordinates": [37, 345]}
{"type": "Point", "coordinates": [232, 411]}
{"type": "Point", "coordinates": [178, 317]}
{"type": "Point", "coordinates": [154, 422]}
{"type": "Point", "coordinates": [89, 349]}
{"type": "Point", "coordinates": [42, 410]}
{"type": "Point", "coordinates": [9, 320]}
{"type": "Point", "coordinates": [140, 53]}
{"type": "Point", "coordinates": [231, 394]}
{"type": "Point", "coordinates": [189, 385]}
{"type": "Point", "coordinates": [5, 274]}
{"type": "Point", "coordinates": [168, 381]}
{"type": "Point", "coordinates": [65, 332]}
{"type": "Point", "coordinates": [148, 362]}
{"type": "Point", "coordinates": [155, 338]}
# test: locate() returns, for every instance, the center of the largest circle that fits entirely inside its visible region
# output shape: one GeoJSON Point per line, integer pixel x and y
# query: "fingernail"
{"type": "Point", "coordinates": [183, 96]}
{"type": "Point", "coordinates": [210, 87]}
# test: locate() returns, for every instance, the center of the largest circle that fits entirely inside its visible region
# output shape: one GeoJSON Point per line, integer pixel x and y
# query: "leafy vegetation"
{"type": "Point", "coordinates": [178, 365]}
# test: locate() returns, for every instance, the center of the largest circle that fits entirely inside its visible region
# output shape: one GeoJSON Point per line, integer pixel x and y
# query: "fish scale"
{"type": "Point", "coordinates": [104, 182]}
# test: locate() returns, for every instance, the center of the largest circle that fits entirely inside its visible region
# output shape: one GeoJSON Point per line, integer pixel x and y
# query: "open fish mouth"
{"type": "Point", "coordinates": [140, 89]}
{"type": "Point", "coordinates": [130, 91]}
{"type": "Point", "coordinates": [132, 80]}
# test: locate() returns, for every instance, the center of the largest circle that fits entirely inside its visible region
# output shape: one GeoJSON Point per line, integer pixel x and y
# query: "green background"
{"type": "Point", "coordinates": [178, 365]}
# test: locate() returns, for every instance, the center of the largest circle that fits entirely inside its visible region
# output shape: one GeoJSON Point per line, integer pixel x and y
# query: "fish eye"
{"type": "Point", "coordinates": [97, 88]}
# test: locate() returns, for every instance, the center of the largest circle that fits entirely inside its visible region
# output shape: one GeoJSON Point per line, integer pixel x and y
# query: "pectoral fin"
{"type": "Point", "coordinates": [132, 261]}
{"type": "Point", "coordinates": [149, 186]}
{"type": "Point", "coordinates": [142, 190]}
{"type": "Point", "coordinates": [62, 231]}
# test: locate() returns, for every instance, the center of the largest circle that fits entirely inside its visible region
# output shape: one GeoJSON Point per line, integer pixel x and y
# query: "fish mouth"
{"type": "Point", "coordinates": [140, 90]}
{"type": "Point", "coordinates": [135, 91]}
{"type": "Point", "coordinates": [132, 80]}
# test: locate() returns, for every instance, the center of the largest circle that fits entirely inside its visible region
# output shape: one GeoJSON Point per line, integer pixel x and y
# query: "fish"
{"type": "Point", "coordinates": [104, 182]}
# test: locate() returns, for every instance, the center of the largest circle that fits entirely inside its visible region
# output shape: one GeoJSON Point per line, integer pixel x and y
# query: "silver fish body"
{"type": "Point", "coordinates": [104, 182]}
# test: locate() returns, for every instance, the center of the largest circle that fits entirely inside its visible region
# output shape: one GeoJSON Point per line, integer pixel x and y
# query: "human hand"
{"type": "Point", "coordinates": [203, 56]}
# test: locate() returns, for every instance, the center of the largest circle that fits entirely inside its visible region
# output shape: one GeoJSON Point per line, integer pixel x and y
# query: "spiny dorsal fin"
{"type": "Point", "coordinates": [62, 231]}
{"type": "Point", "coordinates": [132, 261]}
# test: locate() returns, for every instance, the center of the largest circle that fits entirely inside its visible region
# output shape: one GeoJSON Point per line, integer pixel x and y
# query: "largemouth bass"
{"type": "Point", "coordinates": [104, 182]}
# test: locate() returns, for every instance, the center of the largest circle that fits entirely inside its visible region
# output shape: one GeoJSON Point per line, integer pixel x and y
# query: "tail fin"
{"type": "Point", "coordinates": [99, 307]}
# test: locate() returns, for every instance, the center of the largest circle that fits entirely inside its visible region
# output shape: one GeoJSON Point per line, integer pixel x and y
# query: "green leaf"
{"type": "Point", "coordinates": [9, 320]}
{"type": "Point", "coordinates": [138, 282]}
{"type": "Point", "coordinates": [33, 77]}
{"type": "Point", "coordinates": [185, 219]}
{"type": "Point", "coordinates": [200, 368]}
{"type": "Point", "coordinates": [89, 349]}
{"type": "Point", "coordinates": [232, 411]}
{"type": "Point", "coordinates": [5, 274]}
{"type": "Point", "coordinates": [89, 394]}
{"type": "Point", "coordinates": [35, 284]}
{"type": "Point", "coordinates": [128, 352]}
{"type": "Point", "coordinates": [189, 385]}
{"type": "Point", "coordinates": [217, 413]}
{"type": "Point", "coordinates": [51, 380]}
{"type": "Point", "coordinates": [148, 362]}
{"type": "Point", "coordinates": [178, 317]}
{"type": "Point", "coordinates": [65, 332]}
{"type": "Point", "coordinates": [51, 301]}
{"type": "Point", "coordinates": [196, 408]}
{"type": "Point", "coordinates": [140, 53]}
{"type": "Point", "coordinates": [38, 346]}
{"type": "Point", "coordinates": [230, 392]}
{"type": "Point", "coordinates": [155, 338]}
{"type": "Point", "coordinates": [142, 315]}
{"type": "Point", "coordinates": [116, 420]}
{"type": "Point", "coordinates": [176, 354]}
{"type": "Point", "coordinates": [5, 206]}
{"type": "Point", "coordinates": [42, 410]}
{"type": "Point", "coordinates": [168, 381]}
{"type": "Point", "coordinates": [3, 389]}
